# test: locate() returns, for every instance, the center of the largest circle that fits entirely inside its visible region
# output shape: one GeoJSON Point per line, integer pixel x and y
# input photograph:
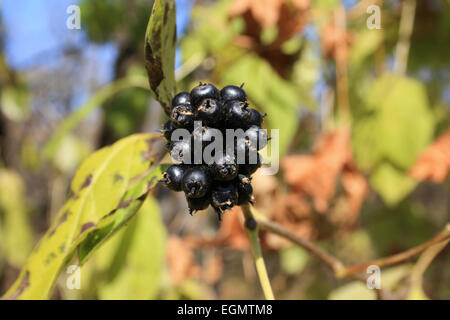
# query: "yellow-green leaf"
{"type": "Point", "coordinates": [17, 237]}
{"type": "Point", "coordinates": [140, 272]}
{"type": "Point", "coordinates": [160, 41]}
{"type": "Point", "coordinates": [397, 126]}
{"type": "Point", "coordinates": [106, 191]}
{"type": "Point", "coordinates": [391, 183]}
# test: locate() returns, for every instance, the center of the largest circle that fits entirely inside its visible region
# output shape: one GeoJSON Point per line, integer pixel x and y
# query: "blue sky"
{"type": "Point", "coordinates": [36, 33]}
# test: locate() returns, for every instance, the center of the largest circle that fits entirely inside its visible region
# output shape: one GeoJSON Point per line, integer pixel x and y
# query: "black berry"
{"type": "Point", "coordinates": [237, 113]}
{"type": "Point", "coordinates": [181, 98]}
{"type": "Point", "coordinates": [245, 190]}
{"type": "Point", "coordinates": [181, 151]}
{"type": "Point", "coordinates": [233, 93]}
{"type": "Point", "coordinates": [202, 92]}
{"type": "Point", "coordinates": [220, 178]}
{"type": "Point", "coordinates": [209, 112]}
{"type": "Point", "coordinates": [196, 204]}
{"type": "Point", "coordinates": [256, 137]}
{"type": "Point", "coordinates": [182, 116]}
{"type": "Point", "coordinates": [256, 118]}
{"type": "Point", "coordinates": [250, 167]}
{"type": "Point", "coordinates": [196, 182]}
{"type": "Point", "coordinates": [224, 196]}
{"type": "Point", "coordinates": [224, 168]}
{"type": "Point", "coordinates": [167, 130]}
{"type": "Point", "coordinates": [172, 177]}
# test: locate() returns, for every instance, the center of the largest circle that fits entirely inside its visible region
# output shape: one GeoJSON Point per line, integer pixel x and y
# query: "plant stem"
{"type": "Point", "coordinates": [252, 230]}
{"type": "Point", "coordinates": [338, 268]}
{"type": "Point", "coordinates": [404, 36]}
{"type": "Point", "coordinates": [334, 264]}
{"type": "Point", "coordinates": [442, 237]}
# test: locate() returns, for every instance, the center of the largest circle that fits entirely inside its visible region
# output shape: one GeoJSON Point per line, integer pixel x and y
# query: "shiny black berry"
{"type": "Point", "coordinates": [196, 182]}
{"type": "Point", "coordinates": [209, 112]}
{"type": "Point", "coordinates": [245, 190]}
{"type": "Point", "coordinates": [182, 116]}
{"type": "Point", "coordinates": [181, 98]}
{"type": "Point", "coordinates": [173, 176]}
{"type": "Point", "coordinates": [224, 196]}
{"type": "Point", "coordinates": [251, 166]}
{"type": "Point", "coordinates": [256, 118]}
{"type": "Point", "coordinates": [181, 151]}
{"type": "Point", "coordinates": [204, 135]}
{"type": "Point", "coordinates": [202, 92]}
{"type": "Point", "coordinates": [243, 151]}
{"type": "Point", "coordinates": [256, 137]}
{"type": "Point", "coordinates": [233, 93]}
{"type": "Point", "coordinates": [224, 168]}
{"type": "Point", "coordinates": [167, 130]}
{"type": "Point", "coordinates": [237, 113]}
{"type": "Point", "coordinates": [195, 204]}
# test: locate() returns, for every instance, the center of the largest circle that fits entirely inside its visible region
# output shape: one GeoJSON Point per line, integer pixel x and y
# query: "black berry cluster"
{"type": "Point", "coordinates": [225, 181]}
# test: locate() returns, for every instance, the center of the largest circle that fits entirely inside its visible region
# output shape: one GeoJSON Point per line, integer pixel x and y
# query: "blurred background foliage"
{"type": "Point", "coordinates": [364, 142]}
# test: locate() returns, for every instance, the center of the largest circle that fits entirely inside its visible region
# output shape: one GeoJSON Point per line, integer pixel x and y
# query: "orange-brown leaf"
{"type": "Point", "coordinates": [434, 162]}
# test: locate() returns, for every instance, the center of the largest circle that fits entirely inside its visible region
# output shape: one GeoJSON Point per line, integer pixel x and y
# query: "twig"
{"type": "Point", "coordinates": [252, 230]}
{"type": "Point", "coordinates": [397, 258]}
{"type": "Point", "coordinates": [404, 36]}
{"type": "Point", "coordinates": [334, 264]}
{"type": "Point", "coordinates": [424, 261]}
{"type": "Point", "coordinates": [338, 268]}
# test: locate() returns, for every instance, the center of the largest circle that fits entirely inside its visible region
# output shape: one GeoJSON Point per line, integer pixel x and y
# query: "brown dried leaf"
{"type": "Point", "coordinates": [180, 259]}
{"type": "Point", "coordinates": [289, 18]}
{"type": "Point", "coordinates": [266, 12]}
{"type": "Point", "coordinates": [434, 162]}
{"type": "Point", "coordinates": [334, 38]}
{"type": "Point", "coordinates": [232, 231]}
{"type": "Point", "coordinates": [213, 269]}
{"type": "Point", "coordinates": [316, 174]}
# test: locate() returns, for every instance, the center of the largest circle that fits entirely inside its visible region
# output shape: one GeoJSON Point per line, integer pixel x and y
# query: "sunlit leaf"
{"type": "Point", "coordinates": [293, 259]}
{"type": "Point", "coordinates": [391, 183]}
{"type": "Point", "coordinates": [141, 254]}
{"type": "Point", "coordinates": [397, 126]}
{"type": "Point", "coordinates": [107, 190]}
{"type": "Point", "coordinates": [15, 102]}
{"type": "Point", "coordinates": [389, 278]}
{"type": "Point", "coordinates": [17, 237]}
{"type": "Point", "coordinates": [160, 41]}
{"type": "Point", "coordinates": [365, 44]}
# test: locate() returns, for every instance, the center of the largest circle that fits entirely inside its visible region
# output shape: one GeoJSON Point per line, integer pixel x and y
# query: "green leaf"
{"type": "Point", "coordinates": [293, 259]}
{"type": "Point", "coordinates": [397, 126]}
{"type": "Point", "coordinates": [359, 291]}
{"type": "Point", "coordinates": [306, 74]}
{"type": "Point", "coordinates": [141, 268]}
{"type": "Point", "coordinates": [391, 183]}
{"type": "Point", "coordinates": [107, 190]}
{"type": "Point", "coordinates": [15, 102]}
{"type": "Point", "coordinates": [366, 43]}
{"type": "Point", "coordinates": [405, 118]}
{"type": "Point", "coordinates": [212, 31]}
{"type": "Point", "coordinates": [270, 93]}
{"type": "Point", "coordinates": [353, 291]}
{"type": "Point", "coordinates": [160, 42]}
{"type": "Point", "coordinates": [17, 236]}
